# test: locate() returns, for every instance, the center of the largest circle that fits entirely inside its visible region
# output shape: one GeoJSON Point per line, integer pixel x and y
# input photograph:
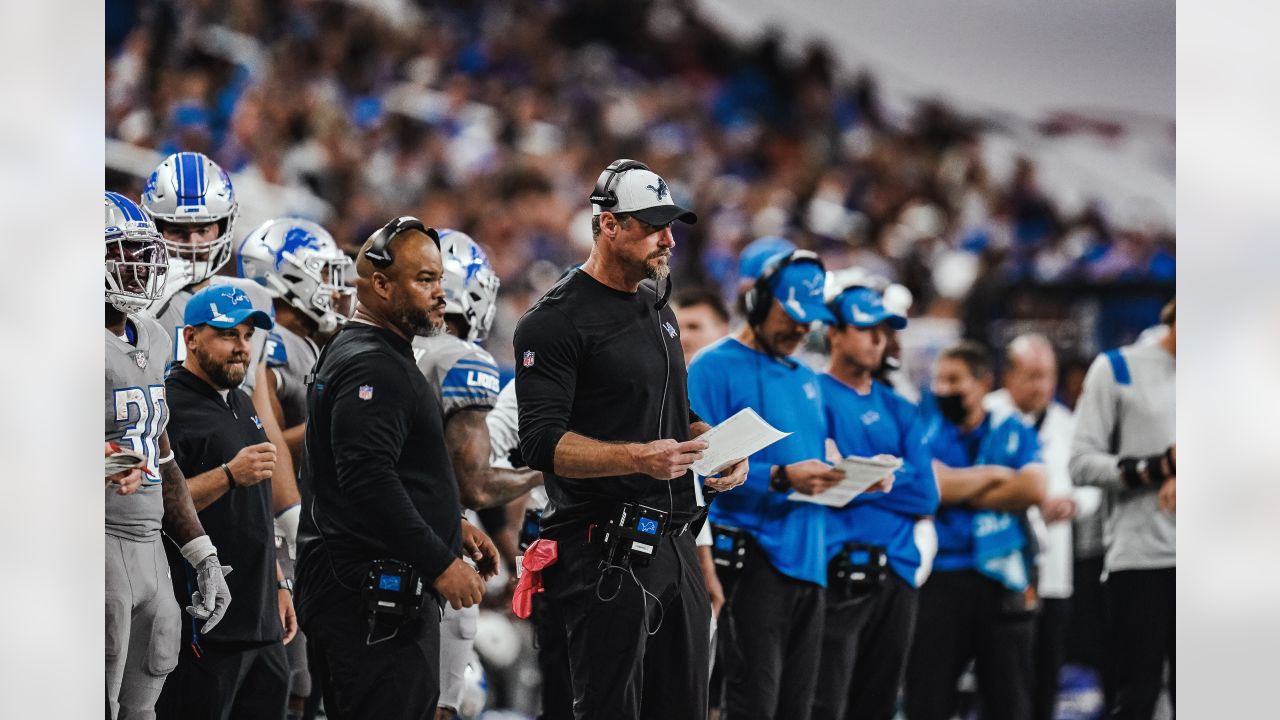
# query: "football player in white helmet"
{"type": "Point", "coordinates": [136, 261]}
{"type": "Point", "coordinates": [192, 203]}
{"type": "Point", "coordinates": [299, 262]}
{"type": "Point", "coordinates": [471, 287]}
{"type": "Point", "coordinates": [468, 381]}
{"type": "Point", "coordinates": [194, 207]}
{"type": "Point", "coordinates": [300, 265]}
{"type": "Point", "coordinates": [142, 620]}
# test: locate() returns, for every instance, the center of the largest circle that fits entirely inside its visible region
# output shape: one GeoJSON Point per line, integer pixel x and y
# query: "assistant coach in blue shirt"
{"type": "Point", "coordinates": [979, 604]}
{"type": "Point", "coordinates": [884, 540]}
{"type": "Point", "coordinates": [772, 633]}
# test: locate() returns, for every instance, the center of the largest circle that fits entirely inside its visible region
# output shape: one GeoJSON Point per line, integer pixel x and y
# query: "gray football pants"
{"type": "Point", "coordinates": [296, 651]}
{"type": "Point", "coordinates": [457, 637]}
{"type": "Point", "coordinates": [143, 626]}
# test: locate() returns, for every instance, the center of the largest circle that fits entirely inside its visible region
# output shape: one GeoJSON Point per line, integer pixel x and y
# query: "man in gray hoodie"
{"type": "Point", "coordinates": [1124, 443]}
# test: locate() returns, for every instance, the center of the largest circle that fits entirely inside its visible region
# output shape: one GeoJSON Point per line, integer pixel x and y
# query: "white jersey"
{"type": "Point", "coordinates": [169, 313]}
{"type": "Point", "coordinates": [136, 415]}
{"type": "Point", "coordinates": [503, 422]}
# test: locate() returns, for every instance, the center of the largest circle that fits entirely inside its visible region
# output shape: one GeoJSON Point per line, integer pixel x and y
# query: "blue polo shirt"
{"type": "Point", "coordinates": [728, 376]}
{"type": "Point", "coordinates": [1010, 443]}
{"type": "Point", "coordinates": [881, 421]}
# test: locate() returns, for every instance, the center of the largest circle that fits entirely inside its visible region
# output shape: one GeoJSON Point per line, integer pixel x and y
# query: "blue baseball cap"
{"type": "Point", "coordinates": [799, 287]}
{"type": "Point", "coordinates": [224, 306]}
{"type": "Point", "coordinates": [862, 307]}
{"type": "Point", "coordinates": [752, 259]}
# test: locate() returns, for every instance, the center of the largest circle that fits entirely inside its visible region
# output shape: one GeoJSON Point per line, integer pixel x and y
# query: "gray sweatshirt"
{"type": "Point", "coordinates": [1116, 419]}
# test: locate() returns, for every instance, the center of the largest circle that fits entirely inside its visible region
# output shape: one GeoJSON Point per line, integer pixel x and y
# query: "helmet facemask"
{"type": "Point", "coordinates": [311, 282]}
{"type": "Point", "coordinates": [202, 260]}
{"type": "Point", "coordinates": [136, 265]}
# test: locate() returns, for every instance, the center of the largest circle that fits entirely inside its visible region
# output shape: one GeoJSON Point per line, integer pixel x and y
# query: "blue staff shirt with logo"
{"type": "Point", "coordinates": [882, 421]}
{"type": "Point", "coordinates": [1011, 444]}
{"type": "Point", "coordinates": [729, 376]}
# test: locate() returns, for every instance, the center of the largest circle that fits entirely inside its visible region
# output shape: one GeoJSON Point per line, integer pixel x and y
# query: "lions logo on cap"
{"type": "Point", "coordinates": [660, 191]}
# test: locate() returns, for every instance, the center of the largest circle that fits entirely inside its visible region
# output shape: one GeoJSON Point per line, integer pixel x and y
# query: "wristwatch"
{"type": "Point", "coordinates": [285, 584]}
{"type": "Point", "coordinates": [778, 480]}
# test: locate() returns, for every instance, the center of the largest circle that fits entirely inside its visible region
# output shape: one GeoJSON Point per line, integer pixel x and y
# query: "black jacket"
{"type": "Point", "coordinates": [376, 479]}
{"type": "Point", "coordinates": [204, 432]}
{"type": "Point", "coordinates": [607, 365]}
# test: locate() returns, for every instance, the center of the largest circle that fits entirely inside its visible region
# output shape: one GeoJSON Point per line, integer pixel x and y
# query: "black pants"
{"type": "Point", "coordinates": [396, 678]}
{"type": "Point", "coordinates": [961, 619]}
{"type": "Point", "coordinates": [226, 682]}
{"type": "Point", "coordinates": [644, 651]}
{"type": "Point", "coordinates": [1084, 640]}
{"type": "Point", "coordinates": [1051, 643]}
{"type": "Point", "coordinates": [771, 635]}
{"type": "Point", "coordinates": [553, 659]}
{"type": "Point", "coordinates": [1140, 615]}
{"type": "Point", "coordinates": [865, 642]}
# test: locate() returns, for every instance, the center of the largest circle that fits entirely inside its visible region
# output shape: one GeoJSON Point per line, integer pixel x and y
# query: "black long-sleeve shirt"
{"type": "Point", "coordinates": [204, 432]}
{"type": "Point", "coordinates": [376, 479]}
{"type": "Point", "coordinates": [604, 364]}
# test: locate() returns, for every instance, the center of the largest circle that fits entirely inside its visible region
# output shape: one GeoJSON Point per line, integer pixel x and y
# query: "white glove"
{"type": "Point", "coordinates": [287, 528]}
{"type": "Point", "coordinates": [210, 602]}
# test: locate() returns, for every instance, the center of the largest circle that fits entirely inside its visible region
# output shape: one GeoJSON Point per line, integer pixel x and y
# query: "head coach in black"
{"type": "Point", "coordinates": [604, 413]}
{"type": "Point", "coordinates": [238, 667]}
{"type": "Point", "coordinates": [381, 526]}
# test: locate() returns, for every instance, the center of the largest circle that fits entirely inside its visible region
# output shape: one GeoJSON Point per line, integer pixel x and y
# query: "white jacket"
{"type": "Point", "coordinates": [1055, 446]}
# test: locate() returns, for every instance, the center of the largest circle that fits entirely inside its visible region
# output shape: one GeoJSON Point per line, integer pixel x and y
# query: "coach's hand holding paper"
{"type": "Point", "coordinates": [741, 436]}
{"type": "Point", "coordinates": [860, 475]}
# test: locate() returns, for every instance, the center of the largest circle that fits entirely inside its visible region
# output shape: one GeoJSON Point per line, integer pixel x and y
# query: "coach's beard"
{"type": "Point", "coordinates": [225, 375]}
{"type": "Point", "coordinates": [656, 267]}
{"type": "Point", "coordinates": [414, 321]}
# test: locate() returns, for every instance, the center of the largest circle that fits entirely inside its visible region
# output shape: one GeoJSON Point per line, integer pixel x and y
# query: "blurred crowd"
{"type": "Point", "coordinates": [496, 117]}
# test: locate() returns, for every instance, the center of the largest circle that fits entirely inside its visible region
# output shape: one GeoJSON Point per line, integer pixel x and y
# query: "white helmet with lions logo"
{"type": "Point", "coordinates": [298, 261]}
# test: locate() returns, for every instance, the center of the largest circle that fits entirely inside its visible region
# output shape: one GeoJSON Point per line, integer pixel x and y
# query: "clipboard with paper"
{"type": "Point", "coordinates": [860, 473]}
{"type": "Point", "coordinates": [742, 435]}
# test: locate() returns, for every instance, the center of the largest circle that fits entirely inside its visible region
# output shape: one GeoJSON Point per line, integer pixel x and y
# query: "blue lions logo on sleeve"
{"type": "Point", "coordinates": [296, 239]}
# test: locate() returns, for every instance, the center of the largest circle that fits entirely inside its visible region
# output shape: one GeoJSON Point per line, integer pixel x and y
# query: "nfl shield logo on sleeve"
{"type": "Point", "coordinates": [528, 358]}
{"type": "Point", "coordinates": [365, 392]}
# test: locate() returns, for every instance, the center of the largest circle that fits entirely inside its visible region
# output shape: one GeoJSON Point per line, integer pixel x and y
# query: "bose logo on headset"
{"type": "Point", "coordinates": [604, 194]}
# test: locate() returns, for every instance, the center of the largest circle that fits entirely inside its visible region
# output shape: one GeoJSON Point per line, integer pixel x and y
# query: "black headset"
{"type": "Point", "coordinates": [760, 296]}
{"type": "Point", "coordinates": [604, 194]}
{"type": "Point", "coordinates": [379, 252]}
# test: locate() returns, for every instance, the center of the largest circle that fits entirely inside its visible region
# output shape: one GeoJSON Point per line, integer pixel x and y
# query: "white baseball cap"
{"type": "Point", "coordinates": [641, 193]}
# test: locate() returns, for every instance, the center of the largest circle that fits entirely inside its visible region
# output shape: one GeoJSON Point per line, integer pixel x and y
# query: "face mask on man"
{"type": "Point", "coordinates": [952, 407]}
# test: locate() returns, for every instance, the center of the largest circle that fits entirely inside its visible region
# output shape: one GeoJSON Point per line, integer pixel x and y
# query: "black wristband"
{"type": "Point", "coordinates": [1155, 469]}
{"type": "Point", "coordinates": [778, 479]}
{"type": "Point", "coordinates": [231, 480]}
{"type": "Point", "coordinates": [1168, 457]}
{"type": "Point", "coordinates": [1130, 475]}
